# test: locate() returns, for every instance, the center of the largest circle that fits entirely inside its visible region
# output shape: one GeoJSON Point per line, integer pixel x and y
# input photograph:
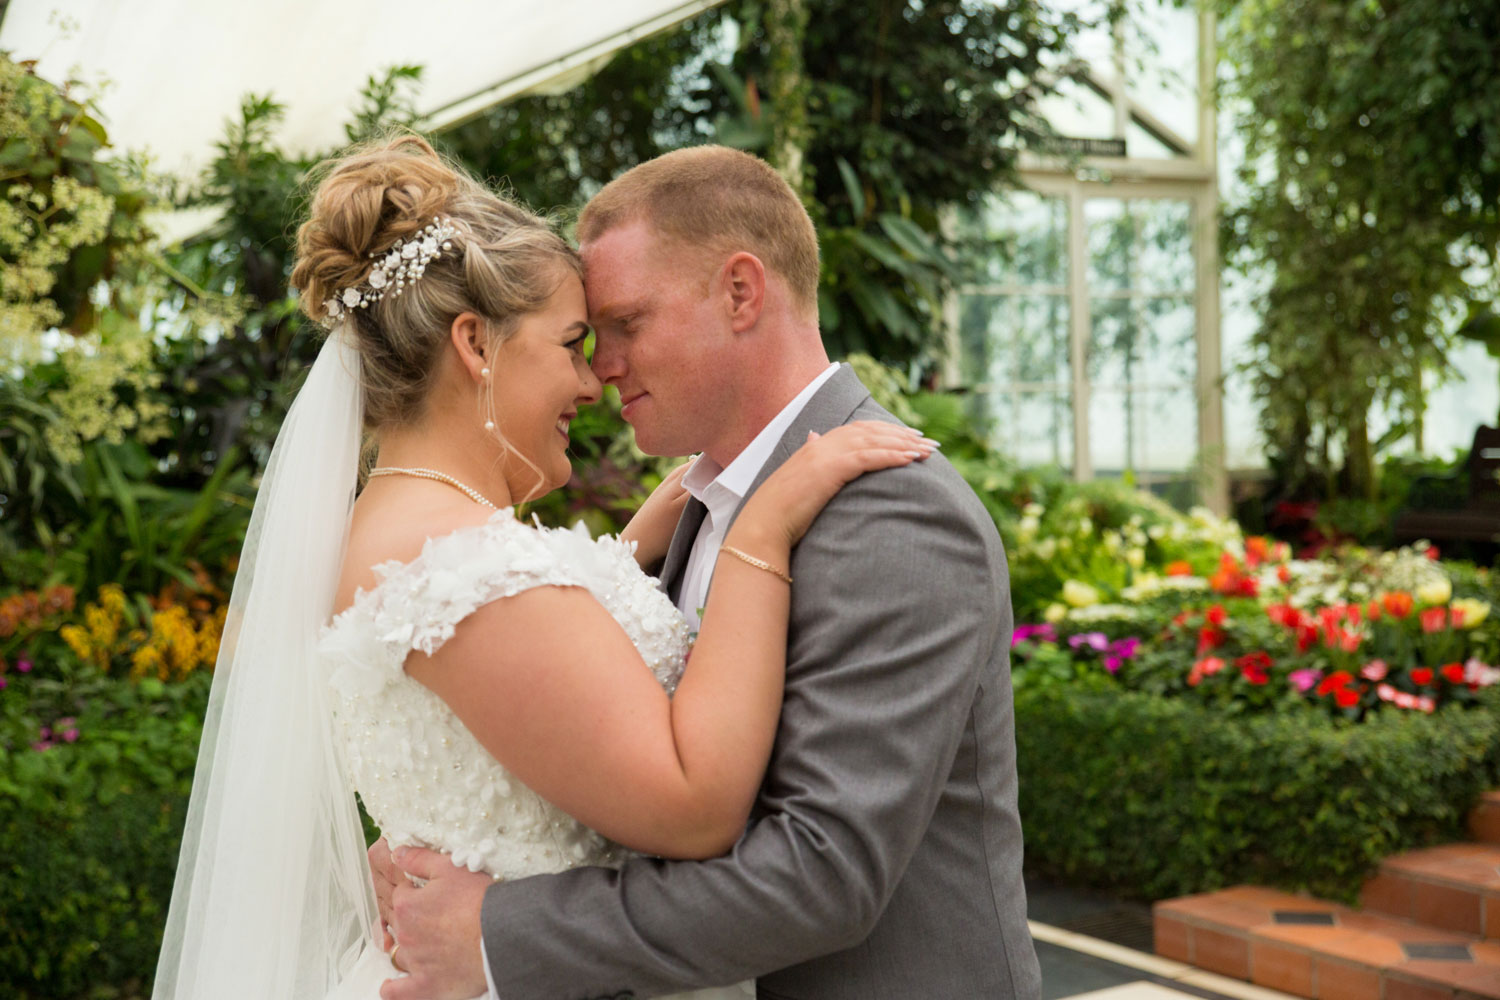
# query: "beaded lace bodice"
{"type": "Point", "coordinates": [423, 777]}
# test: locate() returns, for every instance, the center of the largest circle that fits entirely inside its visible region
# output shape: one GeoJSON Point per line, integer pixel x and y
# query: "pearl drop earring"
{"type": "Point", "coordinates": [489, 425]}
{"type": "Point", "coordinates": [485, 372]}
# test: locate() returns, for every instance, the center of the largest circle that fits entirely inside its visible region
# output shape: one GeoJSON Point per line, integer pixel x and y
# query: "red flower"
{"type": "Point", "coordinates": [1253, 667]}
{"type": "Point", "coordinates": [1421, 675]}
{"type": "Point", "coordinates": [1434, 619]}
{"type": "Point", "coordinates": [1206, 667]}
{"type": "Point", "coordinates": [1372, 611]}
{"type": "Point", "coordinates": [1256, 550]}
{"type": "Point", "coordinates": [1398, 604]}
{"type": "Point", "coordinates": [1209, 638]}
{"type": "Point", "coordinates": [1432, 553]}
{"type": "Point", "coordinates": [1284, 614]}
{"type": "Point", "coordinates": [1216, 615]}
{"type": "Point", "coordinates": [1453, 673]}
{"type": "Point", "coordinates": [1307, 637]}
{"type": "Point", "coordinates": [1339, 680]}
{"type": "Point", "coordinates": [1284, 574]}
{"type": "Point", "coordinates": [1346, 698]}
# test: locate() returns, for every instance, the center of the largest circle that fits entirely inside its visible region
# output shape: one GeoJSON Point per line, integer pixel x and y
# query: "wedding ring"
{"type": "Point", "coordinates": [393, 957]}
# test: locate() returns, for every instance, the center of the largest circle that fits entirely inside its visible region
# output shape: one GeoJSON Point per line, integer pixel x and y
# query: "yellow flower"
{"type": "Point", "coordinates": [1079, 595]}
{"type": "Point", "coordinates": [77, 639]}
{"type": "Point", "coordinates": [1469, 612]}
{"type": "Point", "coordinates": [1436, 591]}
{"type": "Point", "coordinates": [1055, 613]}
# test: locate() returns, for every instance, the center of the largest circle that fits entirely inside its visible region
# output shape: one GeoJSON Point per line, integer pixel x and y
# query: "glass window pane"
{"type": "Point", "coordinates": [1152, 433]}
{"type": "Point", "coordinates": [1020, 239]}
{"type": "Point", "coordinates": [1034, 428]}
{"type": "Point", "coordinates": [1168, 345]}
{"type": "Point", "coordinates": [1013, 338]}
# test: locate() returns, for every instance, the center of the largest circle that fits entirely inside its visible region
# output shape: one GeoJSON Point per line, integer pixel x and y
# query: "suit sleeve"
{"type": "Point", "coordinates": [901, 595]}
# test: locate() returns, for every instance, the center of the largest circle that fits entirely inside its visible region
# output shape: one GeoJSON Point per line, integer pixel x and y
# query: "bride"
{"type": "Point", "coordinates": [513, 696]}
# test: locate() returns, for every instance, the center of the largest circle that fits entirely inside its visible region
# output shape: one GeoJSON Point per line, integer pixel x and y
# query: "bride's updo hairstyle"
{"type": "Point", "coordinates": [504, 262]}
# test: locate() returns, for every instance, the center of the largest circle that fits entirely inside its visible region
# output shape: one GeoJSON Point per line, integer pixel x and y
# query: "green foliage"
{"type": "Point", "coordinates": [89, 831]}
{"type": "Point", "coordinates": [68, 218]}
{"type": "Point", "coordinates": [1157, 798]}
{"type": "Point", "coordinates": [1371, 179]}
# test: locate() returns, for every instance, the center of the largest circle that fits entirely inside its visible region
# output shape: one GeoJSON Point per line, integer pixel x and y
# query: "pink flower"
{"type": "Point", "coordinates": [1375, 670]}
{"type": "Point", "coordinates": [1305, 680]}
{"type": "Point", "coordinates": [24, 666]}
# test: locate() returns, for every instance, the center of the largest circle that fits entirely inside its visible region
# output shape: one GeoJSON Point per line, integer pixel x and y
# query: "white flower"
{"type": "Point", "coordinates": [429, 247]}
{"type": "Point", "coordinates": [1136, 558]}
{"type": "Point", "coordinates": [1046, 548]}
{"type": "Point", "coordinates": [1055, 613]}
{"type": "Point", "coordinates": [392, 260]}
{"type": "Point", "coordinates": [351, 297]}
{"type": "Point", "coordinates": [1079, 594]}
{"type": "Point", "coordinates": [334, 308]}
{"type": "Point", "coordinates": [378, 278]}
{"type": "Point", "coordinates": [409, 251]}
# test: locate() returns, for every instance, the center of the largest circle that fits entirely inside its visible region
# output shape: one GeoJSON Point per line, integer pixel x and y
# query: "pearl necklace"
{"type": "Point", "coordinates": [436, 476]}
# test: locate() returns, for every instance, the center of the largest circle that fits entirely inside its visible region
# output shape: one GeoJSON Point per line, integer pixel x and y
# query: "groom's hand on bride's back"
{"type": "Point", "coordinates": [436, 926]}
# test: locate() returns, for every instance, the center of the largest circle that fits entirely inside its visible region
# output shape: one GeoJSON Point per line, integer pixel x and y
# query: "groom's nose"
{"type": "Point", "coordinates": [608, 361]}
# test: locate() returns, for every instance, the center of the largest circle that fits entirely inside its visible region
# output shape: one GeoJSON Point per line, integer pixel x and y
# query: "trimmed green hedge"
{"type": "Point", "coordinates": [89, 832]}
{"type": "Point", "coordinates": [1159, 797]}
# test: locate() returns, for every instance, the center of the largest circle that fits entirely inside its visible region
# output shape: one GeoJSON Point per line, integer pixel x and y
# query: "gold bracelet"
{"type": "Point", "coordinates": [757, 563]}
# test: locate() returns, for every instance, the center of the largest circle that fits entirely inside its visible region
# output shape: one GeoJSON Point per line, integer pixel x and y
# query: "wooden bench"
{"type": "Point", "coordinates": [1476, 518]}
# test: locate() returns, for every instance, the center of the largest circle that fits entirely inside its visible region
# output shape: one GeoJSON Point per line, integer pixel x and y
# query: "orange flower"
{"type": "Point", "coordinates": [1179, 567]}
{"type": "Point", "coordinates": [1284, 574]}
{"type": "Point", "coordinates": [1398, 603]}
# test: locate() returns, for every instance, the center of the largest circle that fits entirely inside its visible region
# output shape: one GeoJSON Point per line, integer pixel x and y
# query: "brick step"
{"type": "Point", "coordinates": [1324, 951]}
{"type": "Point", "coordinates": [1484, 821]}
{"type": "Point", "coordinates": [1455, 887]}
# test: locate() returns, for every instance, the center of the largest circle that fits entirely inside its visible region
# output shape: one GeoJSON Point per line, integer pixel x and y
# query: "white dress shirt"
{"type": "Point", "coordinates": [720, 490]}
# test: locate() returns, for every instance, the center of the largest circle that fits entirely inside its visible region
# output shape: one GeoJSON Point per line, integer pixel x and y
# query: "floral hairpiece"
{"type": "Point", "coordinates": [400, 266]}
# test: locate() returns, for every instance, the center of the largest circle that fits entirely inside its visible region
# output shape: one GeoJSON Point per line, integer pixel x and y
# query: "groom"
{"type": "Point", "coordinates": [883, 859]}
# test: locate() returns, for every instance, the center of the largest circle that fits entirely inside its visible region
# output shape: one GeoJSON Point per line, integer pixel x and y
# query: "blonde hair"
{"type": "Point", "coordinates": [505, 263]}
{"type": "Point", "coordinates": [719, 198]}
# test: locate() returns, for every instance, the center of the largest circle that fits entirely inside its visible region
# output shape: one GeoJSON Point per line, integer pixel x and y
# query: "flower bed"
{"type": "Point", "coordinates": [1157, 797]}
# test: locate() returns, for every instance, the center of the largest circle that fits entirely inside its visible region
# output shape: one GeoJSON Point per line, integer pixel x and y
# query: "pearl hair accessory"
{"type": "Point", "coordinates": [399, 267]}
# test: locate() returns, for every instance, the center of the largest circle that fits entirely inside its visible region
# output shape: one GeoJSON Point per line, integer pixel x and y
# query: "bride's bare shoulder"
{"type": "Point", "coordinates": [393, 527]}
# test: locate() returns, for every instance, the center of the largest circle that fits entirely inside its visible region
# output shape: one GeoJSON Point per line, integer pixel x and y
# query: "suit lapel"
{"type": "Point", "coordinates": [682, 543]}
{"type": "Point", "coordinates": [831, 406]}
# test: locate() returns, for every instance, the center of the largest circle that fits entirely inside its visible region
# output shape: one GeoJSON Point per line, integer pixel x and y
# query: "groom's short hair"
{"type": "Point", "coordinates": [716, 198]}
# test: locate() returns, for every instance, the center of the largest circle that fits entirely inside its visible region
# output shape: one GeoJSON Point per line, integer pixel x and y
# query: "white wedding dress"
{"type": "Point", "coordinates": [424, 778]}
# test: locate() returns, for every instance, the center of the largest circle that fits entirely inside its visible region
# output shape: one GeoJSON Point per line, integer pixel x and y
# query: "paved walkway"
{"type": "Point", "coordinates": [1093, 947]}
{"type": "Point", "coordinates": [1077, 967]}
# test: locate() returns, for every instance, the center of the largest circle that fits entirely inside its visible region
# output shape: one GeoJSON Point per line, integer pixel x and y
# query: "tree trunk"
{"type": "Point", "coordinates": [1359, 461]}
{"type": "Point", "coordinates": [786, 88]}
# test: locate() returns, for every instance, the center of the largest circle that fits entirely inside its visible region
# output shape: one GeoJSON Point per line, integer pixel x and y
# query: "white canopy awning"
{"type": "Point", "coordinates": [177, 69]}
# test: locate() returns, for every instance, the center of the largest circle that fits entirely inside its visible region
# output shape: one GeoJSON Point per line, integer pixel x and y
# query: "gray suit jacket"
{"type": "Point", "coordinates": [883, 861]}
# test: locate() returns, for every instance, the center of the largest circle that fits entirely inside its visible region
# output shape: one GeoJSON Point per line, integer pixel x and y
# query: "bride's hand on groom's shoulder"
{"type": "Point", "coordinates": [652, 526]}
{"type": "Point", "coordinates": [793, 495]}
{"type": "Point", "coordinates": [436, 927]}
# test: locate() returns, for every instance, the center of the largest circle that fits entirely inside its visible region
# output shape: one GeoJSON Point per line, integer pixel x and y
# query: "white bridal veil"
{"type": "Point", "coordinates": [273, 898]}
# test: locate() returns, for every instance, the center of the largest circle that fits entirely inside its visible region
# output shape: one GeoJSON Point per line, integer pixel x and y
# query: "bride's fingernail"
{"type": "Point", "coordinates": [931, 443]}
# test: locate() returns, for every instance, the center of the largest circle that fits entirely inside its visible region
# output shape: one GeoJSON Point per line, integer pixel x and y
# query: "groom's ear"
{"type": "Point", "coordinates": [744, 280]}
